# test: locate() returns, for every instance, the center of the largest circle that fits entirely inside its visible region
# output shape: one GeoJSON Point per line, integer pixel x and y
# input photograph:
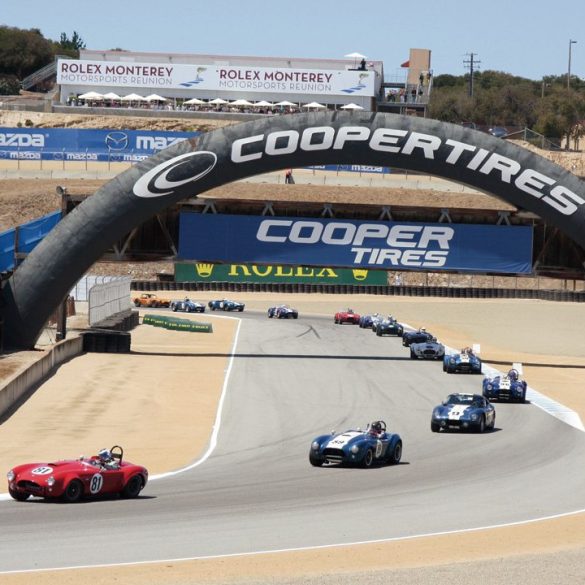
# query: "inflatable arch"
{"type": "Point", "coordinates": [188, 168]}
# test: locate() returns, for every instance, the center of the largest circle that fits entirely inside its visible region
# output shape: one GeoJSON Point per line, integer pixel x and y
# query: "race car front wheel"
{"type": "Point", "coordinates": [18, 495]}
{"type": "Point", "coordinates": [73, 492]}
{"type": "Point", "coordinates": [314, 461]}
{"type": "Point", "coordinates": [368, 458]}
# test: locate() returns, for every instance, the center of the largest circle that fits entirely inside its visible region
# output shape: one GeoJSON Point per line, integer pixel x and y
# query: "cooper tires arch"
{"type": "Point", "coordinates": [228, 154]}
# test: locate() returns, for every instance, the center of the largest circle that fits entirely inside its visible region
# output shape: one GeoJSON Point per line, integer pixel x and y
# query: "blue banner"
{"type": "Point", "coordinates": [355, 244]}
{"type": "Point", "coordinates": [81, 144]}
{"type": "Point", "coordinates": [27, 236]}
{"type": "Point", "coordinates": [351, 168]}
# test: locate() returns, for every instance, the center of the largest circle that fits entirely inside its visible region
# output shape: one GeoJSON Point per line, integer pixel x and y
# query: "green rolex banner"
{"type": "Point", "coordinates": [244, 273]}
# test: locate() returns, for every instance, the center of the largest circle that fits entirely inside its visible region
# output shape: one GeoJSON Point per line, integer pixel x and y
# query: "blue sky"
{"type": "Point", "coordinates": [529, 38]}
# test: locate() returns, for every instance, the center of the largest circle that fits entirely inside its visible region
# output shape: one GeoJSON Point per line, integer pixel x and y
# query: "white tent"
{"type": "Point", "coordinates": [285, 103]}
{"type": "Point", "coordinates": [153, 97]}
{"type": "Point", "coordinates": [91, 95]}
{"type": "Point", "coordinates": [218, 101]}
{"type": "Point", "coordinates": [356, 56]}
{"type": "Point", "coordinates": [315, 105]}
{"type": "Point", "coordinates": [263, 104]}
{"type": "Point", "coordinates": [241, 103]}
{"type": "Point", "coordinates": [111, 96]}
{"type": "Point", "coordinates": [133, 97]}
{"type": "Point", "coordinates": [351, 107]}
{"type": "Point", "coordinates": [193, 102]}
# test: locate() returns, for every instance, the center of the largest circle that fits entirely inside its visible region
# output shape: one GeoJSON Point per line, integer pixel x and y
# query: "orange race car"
{"type": "Point", "coordinates": [150, 300]}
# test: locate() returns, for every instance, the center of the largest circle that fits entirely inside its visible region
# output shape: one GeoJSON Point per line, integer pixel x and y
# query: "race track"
{"type": "Point", "coordinates": [291, 381]}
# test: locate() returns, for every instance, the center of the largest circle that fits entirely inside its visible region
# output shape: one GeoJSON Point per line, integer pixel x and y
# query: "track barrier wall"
{"type": "Point", "coordinates": [108, 299]}
{"type": "Point", "coordinates": [390, 290]}
{"type": "Point", "coordinates": [16, 389]}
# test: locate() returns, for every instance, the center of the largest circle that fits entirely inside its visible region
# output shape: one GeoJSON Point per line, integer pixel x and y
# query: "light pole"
{"type": "Point", "coordinates": [571, 43]}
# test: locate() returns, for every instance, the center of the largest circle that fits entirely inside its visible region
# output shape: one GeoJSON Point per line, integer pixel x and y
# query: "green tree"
{"type": "Point", "coordinates": [23, 51]}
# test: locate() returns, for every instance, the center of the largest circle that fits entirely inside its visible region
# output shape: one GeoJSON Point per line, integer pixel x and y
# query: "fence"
{"type": "Point", "coordinates": [108, 298]}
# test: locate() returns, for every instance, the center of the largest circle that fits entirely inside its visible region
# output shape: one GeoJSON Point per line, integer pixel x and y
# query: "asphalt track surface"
{"type": "Point", "coordinates": [290, 381]}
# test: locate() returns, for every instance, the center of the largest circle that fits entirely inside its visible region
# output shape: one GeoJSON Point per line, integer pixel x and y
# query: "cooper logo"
{"type": "Point", "coordinates": [166, 178]}
{"type": "Point", "coordinates": [117, 141]}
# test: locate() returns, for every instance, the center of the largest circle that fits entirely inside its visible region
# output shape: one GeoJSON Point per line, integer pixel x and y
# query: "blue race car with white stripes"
{"type": "Point", "coordinates": [466, 361]}
{"type": "Point", "coordinates": [505, 387]}
{"type": "Point", "coordinates": [465, 412]}
{"type": "Point", "coordinates": [357, 447]}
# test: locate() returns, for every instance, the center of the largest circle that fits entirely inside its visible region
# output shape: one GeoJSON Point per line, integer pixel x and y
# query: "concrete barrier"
{"type": "Point", "coordinates": [16, 389]}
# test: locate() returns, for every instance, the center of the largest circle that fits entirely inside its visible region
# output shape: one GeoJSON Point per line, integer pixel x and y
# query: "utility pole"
{"type": "Point", "coordinates": [470, 63]}
{"type": "Point", "coordinates": [571, 43]}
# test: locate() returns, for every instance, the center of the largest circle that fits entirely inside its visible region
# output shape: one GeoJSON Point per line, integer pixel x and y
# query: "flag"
{"type": "Point", "coordinates": [405, 64]}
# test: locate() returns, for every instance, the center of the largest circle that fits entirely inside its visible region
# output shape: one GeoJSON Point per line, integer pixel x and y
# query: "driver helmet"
{"type": "Point", "coordinates": [376, 427]}
{"type": "Point", "coordinates": [105, 455]}
{"type": "Point", "coordinates": [513, 374]}
{"type": "Point", "coordinates": [186, 299]}
{"type": "Point", "coordinates": [422, 329]}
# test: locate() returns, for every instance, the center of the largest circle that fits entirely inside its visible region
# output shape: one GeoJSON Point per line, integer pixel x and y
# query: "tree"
{"type": "Point", "coordinates": [23, 51]}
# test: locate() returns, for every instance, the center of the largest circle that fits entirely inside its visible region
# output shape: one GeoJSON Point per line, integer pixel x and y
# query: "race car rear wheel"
{"type": "Point", "coordinates": [73, 492]}
{"type": "Point", "coordinates": [396, 454]}
{"type": "Point", "coordinates": [133, 487]}
{"type": "Point", "coordinates": [18, 495]}
{"type": "Point", "coordinates": [368, 458]}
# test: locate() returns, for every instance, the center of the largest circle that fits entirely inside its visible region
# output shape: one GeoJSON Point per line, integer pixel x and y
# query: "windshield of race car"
{"type": "Point", "coordinates": [459, 399]}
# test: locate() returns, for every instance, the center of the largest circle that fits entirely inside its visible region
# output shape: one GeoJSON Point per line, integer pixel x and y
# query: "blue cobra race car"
{"type": "Point", "coordinates": [188, 306]}
{"type": "Point", "coordinates": [505, 387]}
{"type": "Point", "coordinates": [420, 336]}
{"type": "Point", "coordinates": [368, 321]}
{"type": "Point", "coordinates": [356, 447]}
{"type": "Point", "coordinates": [467, 412]}
{"type": "Point", "coordinates": [466, 361]}
{"type": "Point", "coordinates": [389, 326]}
{"type": "Point", "coordinates": [283, 312]}
{"type": "Point", "coordinates": [226, 305]}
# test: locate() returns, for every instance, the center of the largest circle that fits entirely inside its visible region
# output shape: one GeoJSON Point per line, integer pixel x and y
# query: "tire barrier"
{"type": "Point", "coordinates": [370, 289]}
{"type": "Point", "coordinates": [177, 324]}
{"type": "Point", "coordinates": [106, 341]}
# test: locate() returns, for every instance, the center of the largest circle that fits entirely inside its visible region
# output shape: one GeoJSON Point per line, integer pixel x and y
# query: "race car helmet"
{"type": "Point", "coordinates": [105, 454]}
{"type": "Point", "coordinates": [513, 374]}
{"type": "Point", "coordinates": [376, 427]}
{"type": "Point", "coordinates": [422, 329]}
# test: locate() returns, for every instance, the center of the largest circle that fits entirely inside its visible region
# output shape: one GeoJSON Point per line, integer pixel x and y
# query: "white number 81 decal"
{"type": "Point", "coordinates": [96, 483]}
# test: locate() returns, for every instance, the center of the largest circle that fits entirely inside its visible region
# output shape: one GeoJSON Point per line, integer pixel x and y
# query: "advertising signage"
{"type": "Point", "coordinates": [355, 244]}
{"type": "Point", "coordinates": [249, 273]}
{"type": "Point", "coordinates": [85, 144]}
{"type": "Point", "coordinates": [160, 76]}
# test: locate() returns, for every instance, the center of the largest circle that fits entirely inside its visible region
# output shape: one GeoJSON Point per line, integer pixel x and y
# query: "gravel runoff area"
{"type": "Point", "coordinates": [547, 335]}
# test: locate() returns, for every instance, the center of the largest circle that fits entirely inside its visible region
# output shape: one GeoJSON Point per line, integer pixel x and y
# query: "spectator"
{"type": "Point", "coordinates": [288, 177]}
{"type": "Point", "coordinates": [363, 65]}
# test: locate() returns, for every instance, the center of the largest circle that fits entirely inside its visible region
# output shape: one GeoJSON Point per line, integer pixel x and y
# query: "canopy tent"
{"type": "Point", "coordinates": [111, 96]}
{"type": "Point", "coordinates": [133, 97]}
{"type": "Point", "coordinates": [263, 104]}
{"type": "Point", "coordinates": [194, 102]}
{"type": "Point", "coordinates": [241, 103]}
{"type": "Point", "coordinates": [355, 56]}
{"type": "Point", "coordinates": [285, 103]}
{"type": "Point", "coordinates": [218, 101]}
{"type": "Point", "coordinates": [153, 97]}
{"type": "Point", "coordinates": [351, 107]}
{"type": "Point", "coordinates": [315, 105]}
{"type": "Point", "coordinates": [91, 95]}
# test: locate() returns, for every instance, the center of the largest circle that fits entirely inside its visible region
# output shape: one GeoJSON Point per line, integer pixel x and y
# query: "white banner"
{"type": "Point", "coordinates": [215, 78]}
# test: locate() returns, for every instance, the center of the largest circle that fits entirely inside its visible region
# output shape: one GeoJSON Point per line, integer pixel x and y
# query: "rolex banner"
{"type": "Point", "coordinates": [243, 273]}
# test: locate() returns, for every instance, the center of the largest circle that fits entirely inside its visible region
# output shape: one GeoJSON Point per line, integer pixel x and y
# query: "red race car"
{"type": "Point", "coordinates": [347, 316]}
{"type": "Point", "coordinates": [71, 480]}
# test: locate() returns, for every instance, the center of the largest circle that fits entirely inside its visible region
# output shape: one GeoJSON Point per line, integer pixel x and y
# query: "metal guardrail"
{"type": "Point", "coordinates": [42, 73]}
